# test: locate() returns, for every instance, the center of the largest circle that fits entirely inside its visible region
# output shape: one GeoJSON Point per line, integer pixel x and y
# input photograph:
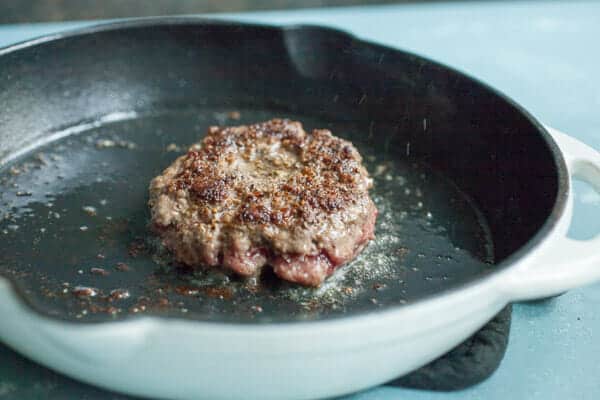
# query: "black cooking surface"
{"type": "Point", "coordinates": [75, 227]}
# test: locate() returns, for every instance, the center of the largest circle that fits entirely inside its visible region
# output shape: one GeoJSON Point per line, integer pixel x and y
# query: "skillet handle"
{"type": "Point", "coordinates": [563, 263]}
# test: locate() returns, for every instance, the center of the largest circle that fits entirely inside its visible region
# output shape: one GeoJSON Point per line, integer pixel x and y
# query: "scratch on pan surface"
{"type": "Point", "coordinates": [72, 130]}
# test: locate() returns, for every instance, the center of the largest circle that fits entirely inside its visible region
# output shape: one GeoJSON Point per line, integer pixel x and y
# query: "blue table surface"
{"type": "Point", "coordinates": [545, 55]}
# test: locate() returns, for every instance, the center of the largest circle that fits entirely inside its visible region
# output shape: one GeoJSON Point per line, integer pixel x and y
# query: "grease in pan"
{"type": "Point", "coordinates": [75, 217]}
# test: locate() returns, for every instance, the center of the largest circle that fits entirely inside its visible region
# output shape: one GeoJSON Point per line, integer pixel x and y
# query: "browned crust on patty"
{"type": "Point", "coordinates": [250, 195]}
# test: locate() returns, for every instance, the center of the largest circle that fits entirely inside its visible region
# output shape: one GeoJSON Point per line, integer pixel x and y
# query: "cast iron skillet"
{"type": "Point", "coordinates": [466, 182]}
{"type": "Point", "coordinates": [456, 181]}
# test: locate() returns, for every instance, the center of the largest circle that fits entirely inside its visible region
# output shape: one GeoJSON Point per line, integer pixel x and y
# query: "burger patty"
{"type": "Point", "coordinates": [266, 194]}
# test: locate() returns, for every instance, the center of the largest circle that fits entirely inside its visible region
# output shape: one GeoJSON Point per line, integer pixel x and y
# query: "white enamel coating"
{"type": "Point", "coordinates": [177, 359]}
{"type": "Point", "coordinates": [562, 263]}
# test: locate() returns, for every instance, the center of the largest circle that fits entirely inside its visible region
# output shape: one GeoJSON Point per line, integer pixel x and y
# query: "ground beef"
{"type": "Point", "coordinates": [266, 194]}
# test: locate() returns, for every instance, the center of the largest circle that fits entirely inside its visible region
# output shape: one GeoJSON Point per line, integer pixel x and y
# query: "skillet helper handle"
{"type": "Point", "coordinates": [566, 263]}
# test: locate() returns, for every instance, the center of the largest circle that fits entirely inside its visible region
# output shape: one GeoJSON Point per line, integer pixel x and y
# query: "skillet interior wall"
{"type": "Point", "coordinates": [418, 109]}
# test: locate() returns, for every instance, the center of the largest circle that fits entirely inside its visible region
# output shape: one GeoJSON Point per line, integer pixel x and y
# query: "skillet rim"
{"type": "Point", "coordinates": [558, 209]}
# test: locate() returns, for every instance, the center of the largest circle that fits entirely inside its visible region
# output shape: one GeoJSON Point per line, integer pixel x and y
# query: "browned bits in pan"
{"type": "Point", "coordinates": [123, 267]}
{"type": "Point", "coordinates": [85, 291]}
{"type": "Point", "coordinates": [99, 271]}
